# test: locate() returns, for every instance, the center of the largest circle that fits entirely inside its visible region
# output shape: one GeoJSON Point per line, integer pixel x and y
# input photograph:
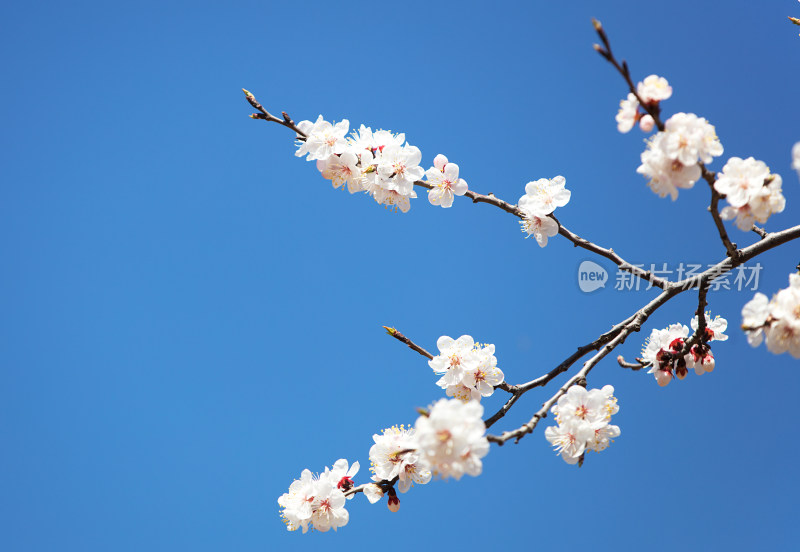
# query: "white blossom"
{"type": "Point", "coordinates": [628, 113]}
{"type": "Point", "coordinates": [373, 493]}
{"type": "Point", "coordinates": [443, 176]}
{"type": "Point", "coordinates": [544, 195]}
{"type": "Point", "coordinates": [663, 350]}
{"type": "Point", "coordinates": [393, 199]}
{"type": "Point", "coordinates": [714, 327]}
{"type": "Point", "coordinates": [317, 501]}
{"type": "Point", "coordinates": [752, 192]}
{"type": "Point", "coordinates": [666, 175]}
{"type": "Point", "coordinates": [583, 422]}
{"type": "Point", "coordinates": [451, 438]}
{"type": "Point", "coordinates": [569, 439]}
{"type": "Point", "coordinates": [398, 168]}
{"type": "Point", "coordinates": [469, 370]}
{"type": "Point", "coordinates": [690, 139]}
{"type": "Point", "coordinates": [486, 375]}
{"type": "Point", "coordinates": [342, 475]}
{"type": "Point", "coordinates": [323, 139]}
{"type": "Point", "coordinates": [540, 228]}
{"type": "Point", "coordinates": [796, 157]}
{"type": "Point", "coordinates": [754, 317]}
{"type": "Point", "coordinates": [671, 159]}
{"type": "Point", "coordinates": [395, 454]}
{"type": "Point", "coordinates": [341, 169]}
{"type": "Point", "coordinates": [654, 89]}
{"type": "Point", "coordinates": [782, 326]}
{"type": "Point", "coordinates": [456, 357]}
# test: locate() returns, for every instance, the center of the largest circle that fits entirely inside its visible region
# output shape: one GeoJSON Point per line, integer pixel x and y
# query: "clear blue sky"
{"type": "Point", "coordinates": [191, 315]}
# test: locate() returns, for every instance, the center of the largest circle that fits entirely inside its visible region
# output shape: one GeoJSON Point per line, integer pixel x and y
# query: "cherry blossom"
{"type": "Point", "coordinates": [455, 358]}
{"type": "Point", "coordinates": [777, 320]}
{"type": "Point", "coordinates": [654, 89]}
{"type": "Point", "coordinates": [443, 176]}
{"type": "Point", "coordinates": [486, 375]}
{"type": "Point", "coordinates": [341, 169]}
{"type": "Point", "coordinates": [628, 113]}
{"type": "Point", "coordinates": [323, 139]}
{"type": "Point", "coordinates": [714, 327]}
{"type": "Point", "coordinates": [666, 175]}
{"type": "Point", "coordinates": [398, 168]}
{"type": "Point", "coordinates": [663, 350]}
{"type": "Point", "coordinates": [690, 139]}
{"type": "Point", "coordinates": [796, 157]}
{"type": "Point", "coordinates": [754, 317]}
{"type": "Point", "coordinates": [540, 228]}
{"type": "Point", "coordinates": [583, 422]}
{"type": "Point", "coordinates": [451, 438]}
{"type": "Point", "coordinates": [544, 195]}
{"type": "Point", "coordinates": [394, 454]}
{"type": "Point", "coordinates": [752, 192]}
{"type": "Point", "coordinates": [316, 501]}
{"type": "Point", "coordinates": [342, 476]}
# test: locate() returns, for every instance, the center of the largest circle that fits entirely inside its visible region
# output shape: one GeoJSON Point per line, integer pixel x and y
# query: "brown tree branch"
{"type": "Point", "coordinates": [491, 199]}
{"type": "Point", "coordinates": [403, 339]}
{"type": "Point", "coordinates": [610, 340]}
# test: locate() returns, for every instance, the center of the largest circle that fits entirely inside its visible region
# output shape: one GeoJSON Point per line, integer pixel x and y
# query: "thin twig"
{"type": "Point", "coordinates": [632, 326]}
{"type": "Point", "coordinates": [635, 366]}
{"type": "Point", "coordinates": [713, 208]}
{"type": "Point", "coordinates": [652, 109]}
{"type": "Point", "coordinates": [403, 339]}
{"type": "Point", "coordinates": [491, 199]}
{"type": "Point", "coordinates": [610, 340]}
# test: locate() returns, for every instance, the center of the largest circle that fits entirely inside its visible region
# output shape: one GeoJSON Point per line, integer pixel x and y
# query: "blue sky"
{"type": "Point", "coordinates": [192, 315]}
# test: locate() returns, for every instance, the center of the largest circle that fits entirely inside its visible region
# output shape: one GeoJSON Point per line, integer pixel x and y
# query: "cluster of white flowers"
{"type": "Point", "coordinates": [379, 163]}
{"type": "Point", "coordinates": [395, 454]}
{"type": "Point", "coordinates": [752, 192]}
{"type": "Point", "coordinates": [583, 422]}
{"type": "Point", "coordinates": [469, 370]}
{"type": "Point", "coordinates": [777, 319]}
{"type": "Point", "coordinates": [665, 350]}
{"type": "Point", "coordinates": [651, 90]}
{"type": "Point", "coordinates": [448, 440]}
{"type": "Point", "coordinates": [540, 200]}
{"type": "Point", "coordinates": [318, 500]}
{"type": "Point", "coordinates": [452, 439]}
{"type": "Point", "coordinates": [672, 156]}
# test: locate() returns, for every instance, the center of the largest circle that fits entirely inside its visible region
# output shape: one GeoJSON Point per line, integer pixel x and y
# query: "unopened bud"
{"type": "Point", "coordinates": [646, 123]}
{"type": "Point", "coordinates": [393, 502]}
{"type": "Point", "coordinates": [597, 25]}
{"type": "Point", "coordinates": [663, 377]}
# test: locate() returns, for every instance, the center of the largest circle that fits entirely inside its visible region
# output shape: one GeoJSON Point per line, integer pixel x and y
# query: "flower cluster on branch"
{"type": "Point", "coordinates": [449, 438]}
